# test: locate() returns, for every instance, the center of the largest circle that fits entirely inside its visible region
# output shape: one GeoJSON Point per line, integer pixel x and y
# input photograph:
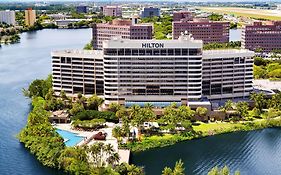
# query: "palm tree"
{"type": "Point", "coordinates": [259, 100]}
{"type": "Point", "coordinates": [134, 111]}
{"type": "Point", "coordinates": [108, 149]}
{"type": "Point", "coordinates": [113, 159]}
{"type": "Point", "coordinates": [148, 106]}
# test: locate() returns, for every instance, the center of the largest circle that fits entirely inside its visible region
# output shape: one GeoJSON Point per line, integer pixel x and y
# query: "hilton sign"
{"type": "Point", "coordinates": [152, 45]}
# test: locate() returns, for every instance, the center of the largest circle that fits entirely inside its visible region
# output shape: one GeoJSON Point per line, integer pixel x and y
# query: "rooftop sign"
{"type": "Point", "coordinates": [152, 45]}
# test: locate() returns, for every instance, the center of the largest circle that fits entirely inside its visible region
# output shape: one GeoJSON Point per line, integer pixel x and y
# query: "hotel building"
{"type": "Point", "coordinates": [112, 11]}
{"type": "Point", "coordinates": [8, 17]}
{"type": "Point", "coordinates": [266, 37]}
{"type": "Point", "coordinates": [127, 29]}
{"type": "Point", "coordinates": [201, 29]}
{"type": "Point", "coordinates": [227, 74]}
{"type": "Point", "coordinates": [158, 72]}
{"type": "Point", "coordinates": [78, 71]}
{"type": "Point", "coordinates": [30, 17]}
{"type": "Point", "coordinates": [152, 70]}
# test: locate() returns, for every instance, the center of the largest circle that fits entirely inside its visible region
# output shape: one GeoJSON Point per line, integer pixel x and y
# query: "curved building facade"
{"type": "Point", "coordinates": [152, 70]}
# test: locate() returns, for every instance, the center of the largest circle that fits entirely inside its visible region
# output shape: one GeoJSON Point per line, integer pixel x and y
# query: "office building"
{"type": "Point", "coordinates": [78, 71]}
{"type": "Point", "coordinates": [177, 16]}
{"type": "Point", "coordinates": [30, 17]}
{"type": "Point", "coordinates": [265, 37]}
{"type": "Point", "coordinates": [64, 23]}
{"type": "Point", "coordinates": [112, 11]}
{"type": "Point", "coordinates": [158, 72]}
{"type": "Point", "coordinates": [148, 12]}
{"type": "Point", "coordinates": [8, 17]}
{"type": "Point", "coordinates": [82, 9]}
{"type": "Point", "coordinates": [127, 29]}
{"type": "Point", "coordinates": [200, 28]}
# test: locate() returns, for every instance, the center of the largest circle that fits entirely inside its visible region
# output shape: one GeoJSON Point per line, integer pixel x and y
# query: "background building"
{"type": "Point", "coordinates": [149, 12]}
{"type": "Point", "coordinates": [82, 9]}
{"type": "Point", "coordinates": [201, 29]}
{"type": "Point", "coordinates": [266, 37]}
{"type": "Point", "coordinates": [112, 11]}
{"type": "Point", "coordinates": [63, 23]}
{"type": "Point", "coordinates": [127, 29]}
{"type": "Point", "coordinates": [8, 17]}
{"type": "Point", "coordinates": [30, 17]}
{"type": "Point", "coordinates": [77, 71]}
{"type": "Point", "coordinates": [177, 16]}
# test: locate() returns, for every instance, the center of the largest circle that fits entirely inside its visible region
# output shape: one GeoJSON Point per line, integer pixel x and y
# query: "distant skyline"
{"type": "Point", "coordinates": [6, 1]}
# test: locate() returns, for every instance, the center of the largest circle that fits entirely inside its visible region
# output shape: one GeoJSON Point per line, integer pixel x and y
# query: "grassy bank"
{"type": "Point", "coordinates": [200, 131]}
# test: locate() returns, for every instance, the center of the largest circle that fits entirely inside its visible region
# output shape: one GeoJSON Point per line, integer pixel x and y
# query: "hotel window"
{"type": "Point", "coordinates": [128, 52]}
{"type": "Point", "coordinates": [170, 51]}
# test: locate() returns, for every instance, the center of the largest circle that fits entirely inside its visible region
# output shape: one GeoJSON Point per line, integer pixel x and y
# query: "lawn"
{"type": "Point", "coordinates": [205, 127]}
{"type": "Point", "coordinates": [251, 13]}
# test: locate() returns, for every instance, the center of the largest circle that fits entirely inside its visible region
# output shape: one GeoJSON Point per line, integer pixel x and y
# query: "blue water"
{"type": "Point", "coordinates": [71, 138]}
{"type": "Point", "coordinates": [19, 65]}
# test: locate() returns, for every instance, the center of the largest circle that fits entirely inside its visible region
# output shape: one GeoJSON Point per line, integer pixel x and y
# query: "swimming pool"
{"type": "Point", "coordinates": [71, 139]}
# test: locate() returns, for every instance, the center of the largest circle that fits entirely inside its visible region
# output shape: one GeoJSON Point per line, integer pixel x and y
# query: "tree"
{"type": "Point", "coordinates": [201, 112]}
{"type": "Point", "coordinates": [223, 171]}
{"type": "Point", "coordinates": [259, 100]}
{"type": "Point", "coordinates": [94, 102]}
{"type": "Point", "coordinates": [228, 105]}
{"type": "Point", "coordinates": [259, 72]}
{"type": "Point", "coordinates": [76, 108]}
{"type": "Point", "coordinates": [127, 169]}
{"type": "Point", "coordinates": [242, 109]}
{"type": "Point", "coordinates": [167, 171]}
{"type": "Point", "coordinates": [114, 107]}
{"type": "Point", "coordinates": [275, 101]}
{"type": "Point", "coordinates": [140, 115]}
{"type": "Point", "coordinates": [259, 61]}
{"type": "Point", "coordinates": [178, 169]}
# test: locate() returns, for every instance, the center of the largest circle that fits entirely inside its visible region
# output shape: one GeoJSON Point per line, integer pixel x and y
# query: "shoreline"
{"type": "Point", "coordinates": [154, 142]}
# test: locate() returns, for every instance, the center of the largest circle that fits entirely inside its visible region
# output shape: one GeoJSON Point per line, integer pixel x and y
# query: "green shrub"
{"type": "Point", "coordinates": [89, 124]}
{"type": "Point", "coordinates": [92, 114]}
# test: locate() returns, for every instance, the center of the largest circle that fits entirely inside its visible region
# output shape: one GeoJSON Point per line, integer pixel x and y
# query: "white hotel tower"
{"type": "Point", "coordinates": [155, 71]}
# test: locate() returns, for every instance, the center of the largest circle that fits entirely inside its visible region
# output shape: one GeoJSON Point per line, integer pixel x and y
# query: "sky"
{"type": "Point", "coordinates": [142, 0]}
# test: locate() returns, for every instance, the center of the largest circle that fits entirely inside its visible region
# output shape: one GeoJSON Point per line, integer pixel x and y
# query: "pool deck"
{"type": "Point", "coordinates": [124, 154]}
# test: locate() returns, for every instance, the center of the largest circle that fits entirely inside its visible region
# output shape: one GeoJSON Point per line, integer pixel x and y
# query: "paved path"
{"type": "Point", "coordinates": [124, 155]}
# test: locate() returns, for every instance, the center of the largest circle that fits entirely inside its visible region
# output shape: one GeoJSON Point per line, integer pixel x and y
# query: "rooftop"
{"type": "Point", "coordinates": [77, 52]}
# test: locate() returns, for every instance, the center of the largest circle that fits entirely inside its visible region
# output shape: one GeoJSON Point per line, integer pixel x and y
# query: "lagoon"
{"type": "Point", "coordinates": [252, 153]}
{"type": "Point", "coordinates": [20, 64]}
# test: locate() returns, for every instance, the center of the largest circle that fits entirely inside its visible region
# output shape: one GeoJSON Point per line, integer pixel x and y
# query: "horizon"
{"type": "Point", "coordinates": [112, 1]}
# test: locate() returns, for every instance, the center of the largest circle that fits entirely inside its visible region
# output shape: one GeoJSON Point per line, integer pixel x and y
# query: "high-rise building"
{"type": "Point", "coordinates": [78, 71]}
{"type": "Point", "coordinates": [8, 17]}
{"type": "Point", "coordinates": [266, 37]}
{"type": "Point", "coordinates": [112, 11]}
{"type": "Point", "coordinates": [156, 71]}
{"type": "Point", "coordinates": [149, 12]}
{"type": "Point", "coordinates": [82, 9]}
{"type": "Point", "coordinates": [127, 29]}
{"type": "Point", "coordinates": [227, 74]}
{"type": "Point", "coordinates": [30, 17]}
{"type": "Point", "coordinates": [201, 29]}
